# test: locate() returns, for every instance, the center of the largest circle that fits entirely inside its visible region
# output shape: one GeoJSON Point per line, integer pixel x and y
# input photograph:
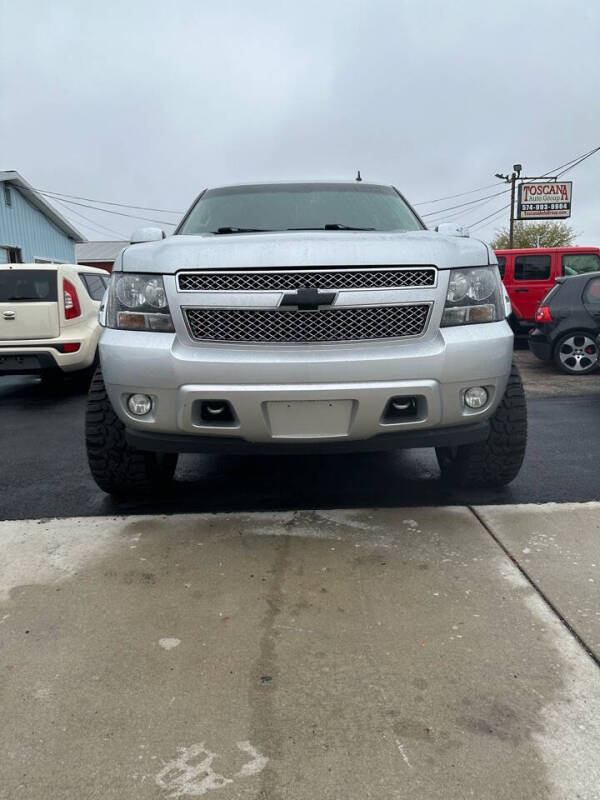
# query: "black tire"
{"type": "Point", "coordinates": [117, 467]}
{"type": "Point", "coordinates": [497, 460]}
{"type": "Point", "coordinates": [576, 353]}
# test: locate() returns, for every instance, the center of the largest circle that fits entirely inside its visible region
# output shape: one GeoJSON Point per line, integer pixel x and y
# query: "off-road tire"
{"type": "Point", "coordinates": [497, 460]}
{"type": "Point", "coordinates": [117, 467]}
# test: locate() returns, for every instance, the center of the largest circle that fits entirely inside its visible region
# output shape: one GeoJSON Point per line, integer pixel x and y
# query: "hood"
{"type": "Point", "coordinates": [303, 249]}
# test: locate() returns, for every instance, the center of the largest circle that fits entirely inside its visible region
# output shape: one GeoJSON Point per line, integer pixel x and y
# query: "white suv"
{"type": "Point", "coordinates": [49, 318]}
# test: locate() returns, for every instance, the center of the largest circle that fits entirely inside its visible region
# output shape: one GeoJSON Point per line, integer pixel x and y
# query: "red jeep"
{"type": "Point", "coordinates": [529, 274]}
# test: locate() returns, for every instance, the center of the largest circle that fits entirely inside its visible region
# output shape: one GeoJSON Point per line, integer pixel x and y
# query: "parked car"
{"type": "Point", "coordinates": [49, 319]}
{"type": "Point", "coordinates": [529, 275]}
{"type": "Point", "coordinates": [304, 318]}
{"type": "Point", "coordinates": [568, 325]}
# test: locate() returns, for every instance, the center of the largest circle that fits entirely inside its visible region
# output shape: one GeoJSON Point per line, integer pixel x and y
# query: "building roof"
{"type": "Point", "coordinates": [98, 251]}
{"type": "Point", "coordinates": [41, 204]}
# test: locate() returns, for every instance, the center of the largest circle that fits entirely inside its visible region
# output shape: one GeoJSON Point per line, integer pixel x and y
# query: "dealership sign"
{"type": "Point", "coordinates": [545, 200]}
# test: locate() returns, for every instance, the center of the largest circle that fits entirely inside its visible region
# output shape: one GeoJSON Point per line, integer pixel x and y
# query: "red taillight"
{"type": "Point", "coordinates": [72, 306]}
{"type": "Point", "coordinates": [71, 347]}
{"type": "Point", "coordinates": [543, 314]}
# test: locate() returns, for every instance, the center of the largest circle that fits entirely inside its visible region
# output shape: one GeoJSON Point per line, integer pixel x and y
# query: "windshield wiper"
{"type": "Point", "coordinates": [241, 230]}
{"type": "Point", "coordinates": [333, 226]}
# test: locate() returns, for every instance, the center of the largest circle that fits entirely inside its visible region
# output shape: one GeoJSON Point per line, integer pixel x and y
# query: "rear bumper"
{"type": "Point", "coordinates": [437, 437]}
{"type": "Point", "coordinates": [539, 345]}
{"type": "Point", "coordinates": [31, 357]}
{"type": "Point", "coordinates": [26, 363]}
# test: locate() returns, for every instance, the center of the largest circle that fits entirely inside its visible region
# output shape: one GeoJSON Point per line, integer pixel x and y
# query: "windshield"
{"type": "Point", "coordinates": [300, 206]}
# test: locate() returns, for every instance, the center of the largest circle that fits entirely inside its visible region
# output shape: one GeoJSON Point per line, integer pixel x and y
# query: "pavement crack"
{"type": "Point", "coordinates": [535, 586]}
{"type": "Point", "coordinates": [264, 676]}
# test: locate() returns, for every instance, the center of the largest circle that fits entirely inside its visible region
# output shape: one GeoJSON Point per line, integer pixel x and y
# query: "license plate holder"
{"type": "Point", "coordinates": [309, 419]}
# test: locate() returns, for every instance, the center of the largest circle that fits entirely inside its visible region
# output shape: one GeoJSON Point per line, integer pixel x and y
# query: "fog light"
{"type": "Point", "coordinates": [139, 404]}
{"type": "Point", "coordinates": [476, 397]}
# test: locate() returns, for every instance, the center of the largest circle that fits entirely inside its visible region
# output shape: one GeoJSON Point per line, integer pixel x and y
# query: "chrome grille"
{"type": "Point", "coordinates": [282, 280]}
{"type": "Point", "coordinates": [326, 325]}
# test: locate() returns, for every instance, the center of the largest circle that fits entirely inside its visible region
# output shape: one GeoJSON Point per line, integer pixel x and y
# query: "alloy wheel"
{"type": "Point", "coordinates": [578, 353]}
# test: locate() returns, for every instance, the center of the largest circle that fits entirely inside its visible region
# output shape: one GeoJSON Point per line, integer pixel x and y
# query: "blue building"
{"type": "Point", "coordinates": [31, 230]}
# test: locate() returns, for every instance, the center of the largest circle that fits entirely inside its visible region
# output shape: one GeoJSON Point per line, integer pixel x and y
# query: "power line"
{"type": "Point", "coordinates": [468, 203]}
{"type": "Point", "coordinates": [107, 202]}
{"type": "Point", "coordinates": [473, 225]}
{"type": "Point", "coordinates": [568, 164]}
{"type": "Point", "coordinates": [460, 215]}
{"type": "Point", "coordinates": [572, 163]}
{"type": "Point", "coordinates": [577, 159]}
{"type": "Point", "coordinates": [460, 194]}
{"type": "Point", "coordinates": [108, 211]}
{"type": "Point", "coordinates": [583, 158]}
{"type": "Point", "coordinates": [97, 208]}
{"type": "Point", "coordinates": [97, 225]}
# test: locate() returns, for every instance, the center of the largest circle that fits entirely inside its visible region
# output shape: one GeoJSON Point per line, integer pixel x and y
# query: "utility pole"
{"type": "Point", "coordinates": [512, 179]}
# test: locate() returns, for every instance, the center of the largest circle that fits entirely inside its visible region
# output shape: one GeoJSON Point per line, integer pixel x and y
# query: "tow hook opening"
{"type": "Point", "coordinates": [401, 408]}
{"type": "Point", "coordinates": [214, 412]}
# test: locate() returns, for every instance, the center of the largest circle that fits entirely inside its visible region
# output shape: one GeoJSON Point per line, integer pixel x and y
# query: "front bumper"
{"type": "Point", "coordinates": [260, 382]}
{"type": "Point", "coordinates": [434, 437]}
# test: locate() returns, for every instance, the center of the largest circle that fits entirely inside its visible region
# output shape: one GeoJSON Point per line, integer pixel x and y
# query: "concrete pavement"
{"type": "Point", "coordinates": [558, 546]}
{"type": "Point", "coordinates": [333, 654]}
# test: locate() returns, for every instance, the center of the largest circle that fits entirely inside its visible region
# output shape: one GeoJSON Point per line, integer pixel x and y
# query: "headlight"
{"type": "Point", "coordinates": [138, 303]}
{"type": "Point", "coordinates": [474, 295]}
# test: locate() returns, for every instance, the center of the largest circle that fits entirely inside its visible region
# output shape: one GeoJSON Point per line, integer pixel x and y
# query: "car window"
{"type": "Point", "coordinates": [501, 265]}
{"type": "Point", "coordinates": [95, 285]}
{"type": "Point", "coordinates": [532, 268]}
{"type": "Point", "coordinates": [578, 263]}
{"type": "Point", "coordinates": [592, 292]}
{"type": "Point", "coordinates": [28, 286]}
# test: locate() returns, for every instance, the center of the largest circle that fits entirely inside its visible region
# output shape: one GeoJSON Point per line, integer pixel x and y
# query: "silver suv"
{"type": "Point", "coordinates": [303, 318]}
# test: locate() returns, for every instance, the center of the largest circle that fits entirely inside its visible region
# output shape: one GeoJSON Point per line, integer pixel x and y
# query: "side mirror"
{"type": "Point", "coordinates": [147, 235]}
{"type": "Point", "coordinates": [450, 229]}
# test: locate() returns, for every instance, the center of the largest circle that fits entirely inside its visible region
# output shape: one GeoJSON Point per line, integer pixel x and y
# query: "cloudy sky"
{"type": "Point", "coordinates": [147, 102]}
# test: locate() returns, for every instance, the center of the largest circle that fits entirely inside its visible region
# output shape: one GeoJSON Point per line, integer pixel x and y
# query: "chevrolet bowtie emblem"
{"type": "Point", "coordinates": [307, 299]}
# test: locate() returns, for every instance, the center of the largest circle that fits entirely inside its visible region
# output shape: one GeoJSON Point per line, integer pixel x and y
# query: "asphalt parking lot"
{"type": "Point", "coordinates": [44, 470]}
{"type": "Point", "coordinates": [333, 628]}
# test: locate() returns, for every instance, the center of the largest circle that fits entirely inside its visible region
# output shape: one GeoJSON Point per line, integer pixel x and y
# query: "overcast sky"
{"type": "Point", "coordinates": [148, 102]}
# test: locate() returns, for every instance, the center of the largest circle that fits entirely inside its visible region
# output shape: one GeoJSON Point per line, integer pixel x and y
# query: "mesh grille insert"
{"type": "Point", "coordinates": [254, 280]}
{"type": "Point", "coordinates": [325, 325]}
